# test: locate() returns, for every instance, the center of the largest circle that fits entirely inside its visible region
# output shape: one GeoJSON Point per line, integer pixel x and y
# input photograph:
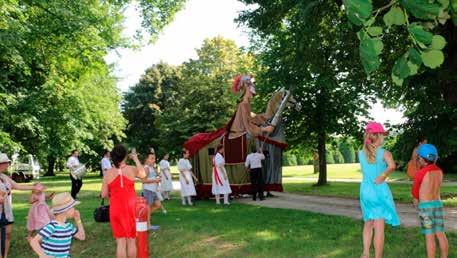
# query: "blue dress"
{"type": "Point", "coordinates": [376, 199]}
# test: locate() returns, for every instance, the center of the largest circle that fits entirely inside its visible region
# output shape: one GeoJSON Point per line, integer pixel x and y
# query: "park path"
{"type": "Point", "coordinates": [343, 207]}
{"type": "Point", "coordinates": [347, 180]}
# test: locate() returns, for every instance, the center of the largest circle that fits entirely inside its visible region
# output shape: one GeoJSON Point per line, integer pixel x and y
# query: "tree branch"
{"type": "Point", "coordinates": [385, 7]}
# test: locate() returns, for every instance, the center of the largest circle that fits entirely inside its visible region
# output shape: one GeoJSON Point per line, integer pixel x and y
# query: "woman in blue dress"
{"type": "Point", "coordinates": [376, 200]}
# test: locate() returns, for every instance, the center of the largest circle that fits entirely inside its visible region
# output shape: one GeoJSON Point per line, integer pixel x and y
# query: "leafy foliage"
{"type": "Point", "coordinates": [170, 104]}
{"type": "Point", "coordinates": [57, 92]}
{"type": "Point", "coordinates": [307, 47]}
{"type": "Point", "coordinates": [418, 17]}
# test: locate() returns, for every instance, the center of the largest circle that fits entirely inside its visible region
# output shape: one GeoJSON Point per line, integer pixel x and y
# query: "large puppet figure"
{"type": "Point", "coordinates": [245, 121]}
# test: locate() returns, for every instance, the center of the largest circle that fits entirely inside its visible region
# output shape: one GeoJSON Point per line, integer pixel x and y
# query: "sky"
{"type": "Point", "coordinates": [200, 19]}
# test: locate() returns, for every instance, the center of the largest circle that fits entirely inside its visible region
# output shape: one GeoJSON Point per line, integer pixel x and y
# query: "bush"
{"type": "Point", "coordinates": [347, 151]}
{"type": "Point", "coordinates": [330, 158]}
{"type": "Point", "coordinates": [338, 157]}
{"type": "Point", "coordinates": [289, 159]}
{"type": "Point", "coordinates": [301, 160]}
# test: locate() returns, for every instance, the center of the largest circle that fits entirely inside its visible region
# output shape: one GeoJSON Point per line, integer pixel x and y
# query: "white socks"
{"type": "Point", "coordinates": [189, 200]}
{"type": "Point", "coordinates": [226, 199]}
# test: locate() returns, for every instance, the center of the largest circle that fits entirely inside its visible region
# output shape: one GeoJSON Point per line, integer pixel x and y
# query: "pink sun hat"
{"type": "Point", "coordinates": [375, 127]}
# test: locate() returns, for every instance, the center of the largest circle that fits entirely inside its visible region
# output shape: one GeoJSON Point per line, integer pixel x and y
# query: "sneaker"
{"type": "Point", "coordinates": [164, 211]}
{"type": "Point", "coordinates": [227, 203]}
{"type": "Point", "coordinates": [154, 228]}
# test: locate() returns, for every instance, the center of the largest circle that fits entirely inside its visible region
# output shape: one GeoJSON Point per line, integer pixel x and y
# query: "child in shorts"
{"type": "Point", "coordinates": [426, 194]}
{"type": "Point", "coordinates": [151, 188]}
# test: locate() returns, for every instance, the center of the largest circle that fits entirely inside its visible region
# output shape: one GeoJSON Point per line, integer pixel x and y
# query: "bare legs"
{"type": "Point", "coordinates": [126, 248]}
{"type": "Point", "coordinates": [378, 227]}
{"type": "Point", "coordinates": [431, 245]}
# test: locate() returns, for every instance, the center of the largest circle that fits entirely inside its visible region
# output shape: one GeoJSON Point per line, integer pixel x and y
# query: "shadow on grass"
{"type": "Point", "coordinates": [207, 230]}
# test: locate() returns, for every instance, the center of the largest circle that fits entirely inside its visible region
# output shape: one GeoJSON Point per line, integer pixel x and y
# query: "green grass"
{"type": "Point", "coordinates": [334, 172]}
{"type": "Point", "coordinates": [297, 180]}
{"type": "Point", "coordinates": [400, 192]}
{"type": "Point", "coordinates": [236, 231]}
{"type": "Point", "coordinates": [344, 171]}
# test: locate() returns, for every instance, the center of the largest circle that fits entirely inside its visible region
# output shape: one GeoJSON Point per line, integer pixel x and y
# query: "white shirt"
{"type": "Point", "coordinates": [219, 160]}
{"type": "Point", "coordinates": [184, 165]}
{"type": "Point", "coordinates": [106, 164]}
{"type": "Point", "coordinates": [164, 165]}
{"type": "Point", "coordinates": [72, 162]}
{"type": "Point", "coordinates": [254, 160]}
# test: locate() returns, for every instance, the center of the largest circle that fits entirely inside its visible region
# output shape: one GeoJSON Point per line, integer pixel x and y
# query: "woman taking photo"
{"type": "Point", "coordinates": [376, 199]}
{"type": "Point", "coordinates": [119, 186]}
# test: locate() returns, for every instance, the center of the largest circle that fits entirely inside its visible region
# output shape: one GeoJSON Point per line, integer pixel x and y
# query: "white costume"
{"type": "Point", "coordinates": [106, 164]}
{"type": "Point", "coordinates": [166, 182]}
{"type": "Point", "coordinates": [220, 184]}
{"type": "Point", "coordinates": [187, 189]}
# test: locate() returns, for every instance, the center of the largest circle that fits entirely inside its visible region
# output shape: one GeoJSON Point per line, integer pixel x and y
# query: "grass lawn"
{"type": "Point", "coordinates": [334, 171]}
{"type": "Point", "coordinates": [400, 192]}
{"type": "Point", "coordinates": [236, 231]}
{"type": "Point", "coordinates": [296, 180]}
{"type": "Point", "coordinates": [343, 171]}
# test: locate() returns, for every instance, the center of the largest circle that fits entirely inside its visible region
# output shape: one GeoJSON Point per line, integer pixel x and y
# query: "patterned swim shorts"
{"type": "Point", "coordinates": [431, 216]}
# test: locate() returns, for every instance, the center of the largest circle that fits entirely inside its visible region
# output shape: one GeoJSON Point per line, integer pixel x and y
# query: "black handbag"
{"type": "Point", "coordinates": [101, 214]}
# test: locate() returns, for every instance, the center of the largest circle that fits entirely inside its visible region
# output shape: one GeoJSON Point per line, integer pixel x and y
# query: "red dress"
{"type": "Point", "coordinates": [122, 207]}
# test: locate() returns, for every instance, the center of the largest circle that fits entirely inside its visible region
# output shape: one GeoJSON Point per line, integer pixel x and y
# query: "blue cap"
{"type": "Point", "coordinates": [428, 152]}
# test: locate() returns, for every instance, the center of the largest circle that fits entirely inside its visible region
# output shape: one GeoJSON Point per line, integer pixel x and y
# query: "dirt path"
{"type": "Point", "coordinates": [343, 207]}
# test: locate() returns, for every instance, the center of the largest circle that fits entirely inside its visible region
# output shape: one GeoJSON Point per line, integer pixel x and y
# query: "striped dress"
{"type": "Point", "coordinates": [56, 239]}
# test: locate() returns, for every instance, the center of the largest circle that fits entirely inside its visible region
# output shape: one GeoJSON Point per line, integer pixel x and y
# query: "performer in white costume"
{"type": "Point", "coordinates": [186, 179]}
{"type": "Point", "coordinates": [220, 185]}
{"type": "Point", "coordinates": [167, 183]}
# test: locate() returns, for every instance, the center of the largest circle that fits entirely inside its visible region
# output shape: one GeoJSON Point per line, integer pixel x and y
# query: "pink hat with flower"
{"type": "Point", "coordinates": [374, 127]}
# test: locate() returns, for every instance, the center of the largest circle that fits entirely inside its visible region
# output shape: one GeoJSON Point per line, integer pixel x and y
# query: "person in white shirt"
{"type": "Point", "coordinates": [106, 162]}
{"type": "Point", "coordinates": [167, 183]}
{"type": "Point", "coordinates": [220, 182]}
{"type": "Point", "coordinates": [254, 166]}
{"type": "Point", "coordinates": [186, 178]}
{"type": "Point", "coordinates": [76, 183]}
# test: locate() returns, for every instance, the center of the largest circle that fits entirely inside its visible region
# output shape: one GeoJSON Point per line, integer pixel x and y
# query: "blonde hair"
{"type": "Point", "coordinates": [370, 147]}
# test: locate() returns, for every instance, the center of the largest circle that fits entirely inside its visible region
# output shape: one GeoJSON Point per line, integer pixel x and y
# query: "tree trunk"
{"type": "Point", "coordinates": [315, 163]}
{"type": "Point", "coordinates": [321, 140]}
{"type": "Point", "coordinates": [51, 165]}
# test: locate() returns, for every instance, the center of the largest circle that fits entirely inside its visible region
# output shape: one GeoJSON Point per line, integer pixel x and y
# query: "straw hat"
{"type": "Point", "coordinates": [4, 158]}
{"type": "Point", "coordinates": [63, 202]}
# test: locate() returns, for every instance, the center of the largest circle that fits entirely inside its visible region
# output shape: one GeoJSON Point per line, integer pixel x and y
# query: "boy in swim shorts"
{"type": "Point", "coordinates": [426, 194]}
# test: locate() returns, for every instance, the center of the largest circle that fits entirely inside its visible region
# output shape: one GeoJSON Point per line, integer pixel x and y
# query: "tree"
{"type": "Point", "coordinates": [417, 70]}
{"type": "Point", "coordinates": [203, 100]}
{"type": "Point", "coordinates": [57, 92]}
{"type": "Point", "coordinates": [145, 102]}
{"type": "Point", "coordinates": [310, 48]}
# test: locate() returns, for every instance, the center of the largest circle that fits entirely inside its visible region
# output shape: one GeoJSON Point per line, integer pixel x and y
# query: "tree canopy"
{"type": "Point", "coordinates": [56, 91]}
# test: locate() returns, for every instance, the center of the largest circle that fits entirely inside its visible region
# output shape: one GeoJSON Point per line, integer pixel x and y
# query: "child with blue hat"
{"type": "Point", "coordinates": [426, 194]}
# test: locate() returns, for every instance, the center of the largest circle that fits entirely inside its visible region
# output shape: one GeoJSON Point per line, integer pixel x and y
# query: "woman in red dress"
{"type": "Point", "coordinates": [119, 187]}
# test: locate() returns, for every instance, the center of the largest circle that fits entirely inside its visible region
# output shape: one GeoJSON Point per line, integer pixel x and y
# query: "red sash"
{"type": "Point", "coordinates": [216, 175]}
